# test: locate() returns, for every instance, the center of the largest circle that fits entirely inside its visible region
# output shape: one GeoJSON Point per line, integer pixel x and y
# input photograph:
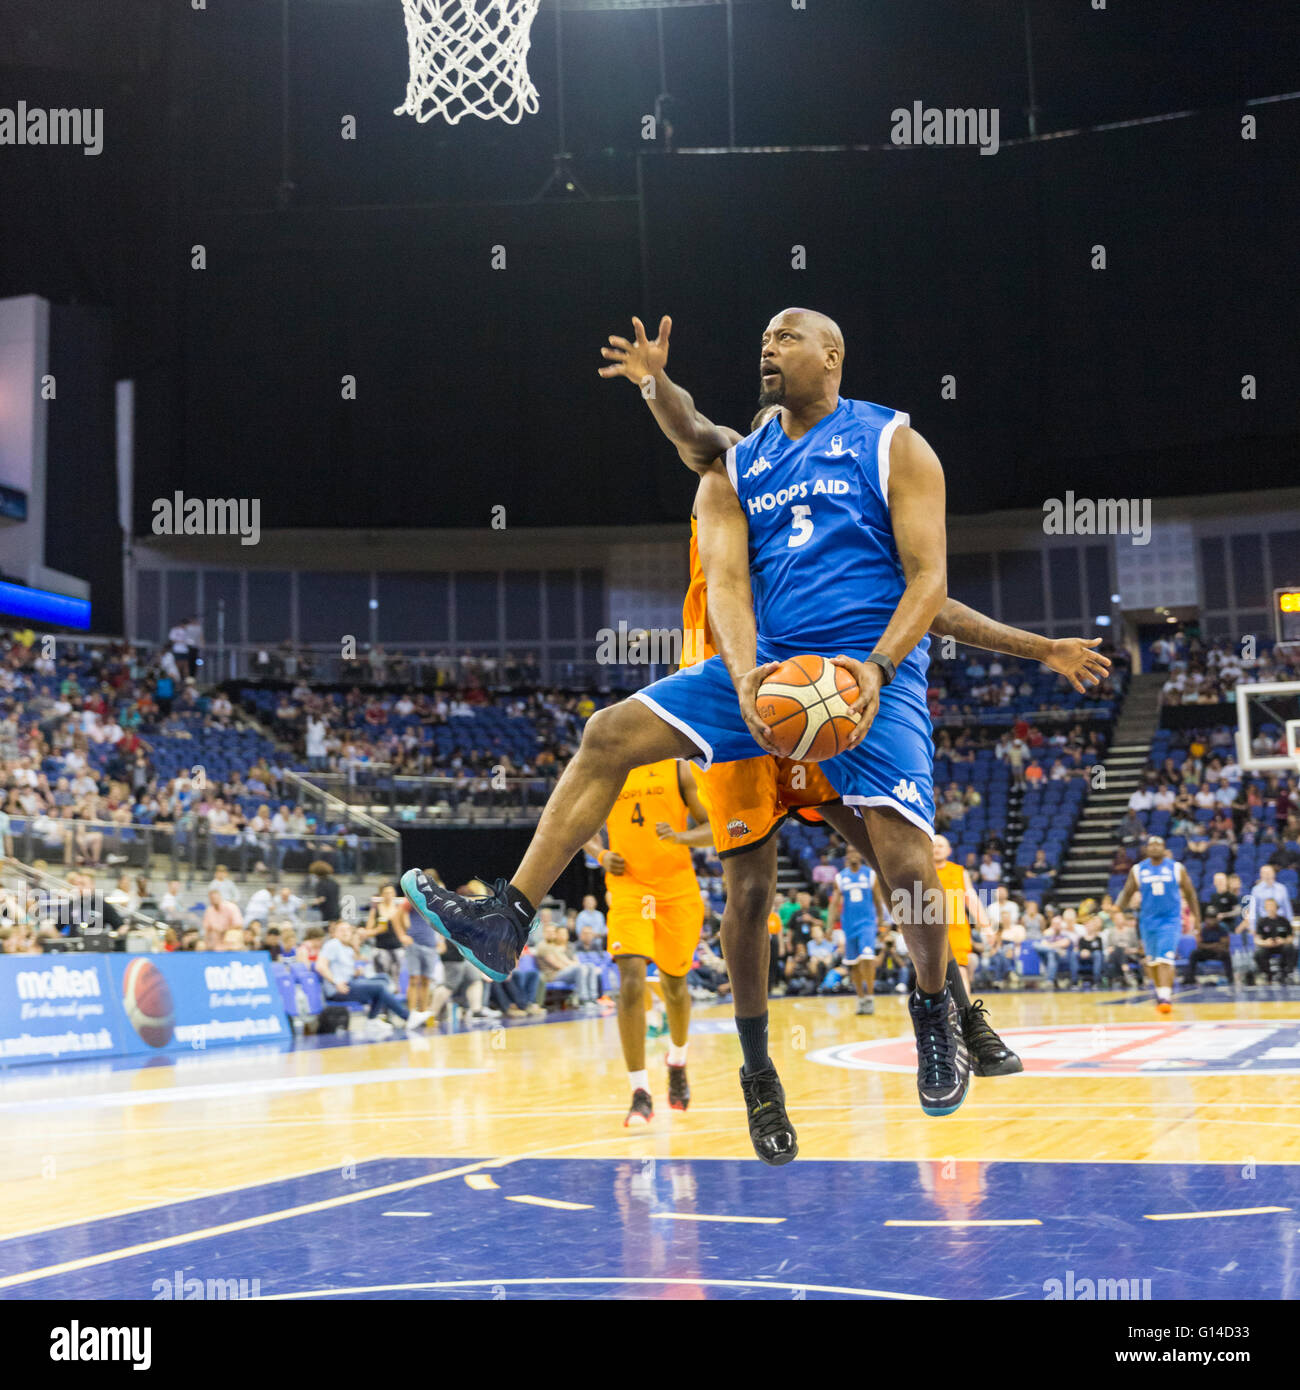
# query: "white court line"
{"type": "Point", "coordinates": [237, 1090]}
{"type": "Point", "coordinates": [612, 1279]}
{"type": "Point", "coordinates": [693, 1216]}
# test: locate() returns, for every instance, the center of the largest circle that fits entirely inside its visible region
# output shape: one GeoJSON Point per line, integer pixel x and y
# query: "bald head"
{"type": "Point", "coordinates": [824, 328]}
{"type": "Point", "coordinates": [802, 361]}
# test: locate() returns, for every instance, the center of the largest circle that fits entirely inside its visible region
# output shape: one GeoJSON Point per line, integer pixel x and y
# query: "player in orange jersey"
{"type": "Point", "coordinates": [655, 914]}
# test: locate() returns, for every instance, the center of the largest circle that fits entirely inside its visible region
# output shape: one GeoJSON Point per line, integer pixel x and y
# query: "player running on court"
{"type": "Point", "coordinates": [1164, 885]}
{"type": "Point", "coordinates": [858, 907]}
{"type": "Point", "coordinates": [655, 914]}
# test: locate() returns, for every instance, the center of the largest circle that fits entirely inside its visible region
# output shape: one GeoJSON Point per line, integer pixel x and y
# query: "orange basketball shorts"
{"type": "Point", "coordinates": [664, 930]}
{"type": "Point", "coordinates": [747, 800]}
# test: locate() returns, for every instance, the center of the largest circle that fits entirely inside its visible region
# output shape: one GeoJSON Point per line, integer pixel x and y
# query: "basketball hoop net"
{"type": "Point", "coordinates": [469, 57]}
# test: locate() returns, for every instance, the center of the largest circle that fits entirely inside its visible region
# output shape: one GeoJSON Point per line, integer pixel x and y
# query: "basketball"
{"type": "Point", "coordinates": [147, 1001]}
{"type": "Point", "coordinates": [805, 702]}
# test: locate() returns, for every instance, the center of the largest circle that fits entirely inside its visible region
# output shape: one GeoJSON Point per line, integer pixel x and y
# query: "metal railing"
{"type": "Point", "coordinates": [192, 849]}
{"type": "Point", "coordinates": [446, 800]}
{"type": "Point", "coordinates": [426, 667]}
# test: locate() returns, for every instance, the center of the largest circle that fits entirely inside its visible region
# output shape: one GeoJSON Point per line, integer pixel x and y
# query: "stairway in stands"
{"type": "Point", "coordinates": [1087, 861]}
{"type": "Point", "coordinates": [790, 877]}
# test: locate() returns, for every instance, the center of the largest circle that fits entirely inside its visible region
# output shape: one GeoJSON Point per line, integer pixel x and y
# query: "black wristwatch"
{"type": "Point", "coordinates": [887, 667]}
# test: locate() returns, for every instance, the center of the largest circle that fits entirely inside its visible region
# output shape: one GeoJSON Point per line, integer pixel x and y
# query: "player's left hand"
{"type": "Point", "coordinates": [665, 831]}
{"type": "Point", "coordinates": [1074, 658]}
{"type": "Point", "coordinates": [868, 677]}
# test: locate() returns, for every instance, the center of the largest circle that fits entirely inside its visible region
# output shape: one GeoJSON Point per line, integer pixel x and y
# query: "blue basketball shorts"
{"type": "Point", "coordinates": [1160, 939]}
{"type": "Point", "coordinates": [893, 766]}
{"type": "Point", "coordinates": [859, 943]}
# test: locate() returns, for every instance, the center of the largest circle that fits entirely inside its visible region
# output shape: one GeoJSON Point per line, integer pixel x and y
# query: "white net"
{"type": "Point", "coordinates": [469, 58]}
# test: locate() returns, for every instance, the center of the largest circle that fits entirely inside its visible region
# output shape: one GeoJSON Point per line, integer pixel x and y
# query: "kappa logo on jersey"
{"type": "Point", "coordinates": [761, 466]}
{"type": "Point", "coordinates": [737, 827]}
{"type": "Point", "coordinates": [1224, 1047]}
{"type": "Point", "coordinates": [906, 791]}
{"type": "Point", "coordinates": [837, 449]}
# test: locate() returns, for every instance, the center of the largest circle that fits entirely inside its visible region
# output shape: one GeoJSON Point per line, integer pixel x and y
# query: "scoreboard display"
{"type": "Point", "coordinates": [1286, 613]}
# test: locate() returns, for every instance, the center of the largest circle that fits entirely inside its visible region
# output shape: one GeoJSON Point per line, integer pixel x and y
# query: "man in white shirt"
{"type": "Point", "coordinates": [1141, 800]}
{"type": "Point", "coordinates": [1164, 799]}
{"type": "Point", "coordinates": [224, 884]}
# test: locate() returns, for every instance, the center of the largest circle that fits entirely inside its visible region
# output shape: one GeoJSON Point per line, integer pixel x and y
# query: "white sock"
{"type": "Point", "coordinates": [1163, 991]}
{"type": "Point", "coordinates": [640, 1080]}
{"type": "Point", "coordinates": [677, 1055]}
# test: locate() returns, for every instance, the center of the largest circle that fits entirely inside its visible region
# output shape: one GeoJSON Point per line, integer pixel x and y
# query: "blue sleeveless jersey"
{"type": "Point", "coordinates": [857, 902]}
{"type": "Point", "coordinates": [823, 564]}
{"type": "Point", "coordinates": [1161, 900]}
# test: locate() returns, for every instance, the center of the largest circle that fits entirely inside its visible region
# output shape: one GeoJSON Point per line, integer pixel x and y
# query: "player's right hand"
{"type": "Point", "coordinates": [613, 863]}
{"type": "Point", "coordinates": [641, 359]}
{"type": "Point", "coordinates": [747, 690]}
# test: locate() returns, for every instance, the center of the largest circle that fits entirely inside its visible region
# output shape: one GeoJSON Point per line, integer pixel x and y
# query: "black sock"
{"type": "Point", "coordinates": [933, 1000]}
{"type": "Point", "coordinates": [957, 985]}
{"type": "Point", "coordinates": [522, 911]}
{"type": "Point", "coordinates": [753, 1041]}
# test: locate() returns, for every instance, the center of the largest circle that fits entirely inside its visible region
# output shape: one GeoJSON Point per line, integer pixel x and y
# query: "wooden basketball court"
{"type": "Point", "coordinates": [1133, 1145]}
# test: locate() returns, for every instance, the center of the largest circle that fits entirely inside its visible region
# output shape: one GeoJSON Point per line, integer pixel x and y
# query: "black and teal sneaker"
{"type": "Point", "coordinates": [942, 1062]}
{"type": "Point", "coordinates": [489, 932]}
{"type": "Point", "coordinates": [989, 1055]}
{"type": "Point", "coordinates": [770, 1130]}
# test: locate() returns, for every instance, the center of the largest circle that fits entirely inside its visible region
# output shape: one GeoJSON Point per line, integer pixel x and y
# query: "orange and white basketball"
{"type": "Point", "coordinates": [805, 702]}
{"type": "Point", "coordinates": [147, 1001]}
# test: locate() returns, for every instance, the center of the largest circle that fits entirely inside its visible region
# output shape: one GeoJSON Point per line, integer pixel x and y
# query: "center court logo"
{"type": "Point", "coordinates": [1225, 1047]}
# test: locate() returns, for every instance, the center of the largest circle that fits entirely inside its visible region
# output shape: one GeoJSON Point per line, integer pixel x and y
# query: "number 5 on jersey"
{"type": "Point", "coordinates": [801, 523]}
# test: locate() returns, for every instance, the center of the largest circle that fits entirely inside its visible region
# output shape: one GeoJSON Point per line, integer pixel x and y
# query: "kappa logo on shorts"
{"type": "Point", "coordinates": [737, 827]}
{"type": "Point", "coordinates": [1224, 1047]}
{"type": "Point", "coordinates": [906, 791]}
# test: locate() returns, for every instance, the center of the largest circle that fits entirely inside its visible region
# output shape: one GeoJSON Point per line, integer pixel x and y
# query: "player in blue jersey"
{"type": "Point", "coordinates": [1164, 887]}
{"type": "Point", "coordinates": [858, 908]}
{"type": "Point", "coordinates": [859, 524]}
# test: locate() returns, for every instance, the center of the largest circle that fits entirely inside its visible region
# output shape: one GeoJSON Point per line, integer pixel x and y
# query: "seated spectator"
{"type": "Point", "coordinates": [1213, 943]}
{"type": "Point", "coordinates": [1089, 952]}
{"type": "Point", "coordinates": [220, 916]}
{"type": "Point", "coordinates": [1273, 944]}
{"type": "Point", "coordinates": [559, 964]}
{"type": "Point", "coordinates": [708, 975]}
{"type": "Point", "coordinates": [1059, 941]}
{"type": "Point", "coordinates": [800, 975]}
{"type": "Point", "coordinates": [1124, 953]}
{"type": "Point", "coordinates": [821, 954]}
{"type": "Point", "coordinates": [341, 981]}
{"type": "Point", "coordinates": [591, 916]}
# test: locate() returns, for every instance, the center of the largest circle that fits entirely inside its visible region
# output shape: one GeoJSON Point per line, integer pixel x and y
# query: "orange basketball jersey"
{"type": "Point", "coordinates": [953, 880]}
{"type": "Point", "coordinates": [659, 867]}
{"type": "Point", "coordinates": [697, 640]}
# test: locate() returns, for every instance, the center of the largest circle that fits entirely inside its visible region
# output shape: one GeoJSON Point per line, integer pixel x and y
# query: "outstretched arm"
{"type": "Point", "coordinates": [1072, 657]}
{"type": "Point", "coordinates": [699, 441]}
